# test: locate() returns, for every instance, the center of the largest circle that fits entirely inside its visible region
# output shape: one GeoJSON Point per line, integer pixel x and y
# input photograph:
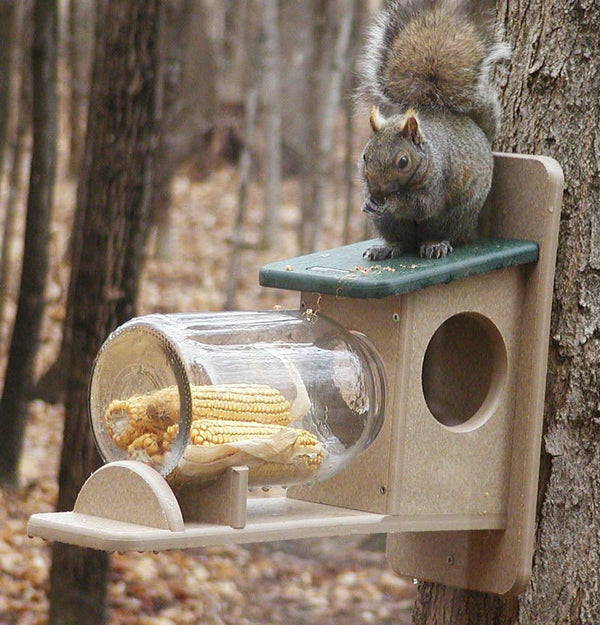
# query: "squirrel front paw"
{"type": "Point", "coordinates": [430, 249]}
{"type": "Point", "coordinates": [382, 252]}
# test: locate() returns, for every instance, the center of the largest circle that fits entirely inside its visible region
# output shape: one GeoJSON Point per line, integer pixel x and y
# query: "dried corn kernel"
{"type": "Point", "coordinates": [145, 447]}
{"type": "Point", "coordinates": [240, 402]}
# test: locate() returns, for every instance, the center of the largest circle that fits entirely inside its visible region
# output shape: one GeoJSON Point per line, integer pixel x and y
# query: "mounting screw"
{"type": "Point", "coordinates": [450, 560]}
{"type": "Point", "coordinates": [395, 317]}
{"type": "Point", "coordinates": [382, 490]}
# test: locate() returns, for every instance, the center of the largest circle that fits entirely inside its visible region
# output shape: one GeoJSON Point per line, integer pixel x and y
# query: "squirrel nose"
{"type": "Point", "coordinates": [381, 191]}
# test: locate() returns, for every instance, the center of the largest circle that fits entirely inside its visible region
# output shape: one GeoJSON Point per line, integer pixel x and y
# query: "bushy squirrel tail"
{"type": "Point", "coordinates": [434, 54]}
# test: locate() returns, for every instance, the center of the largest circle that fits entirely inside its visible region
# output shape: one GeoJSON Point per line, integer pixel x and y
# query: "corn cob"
{"type": "Point", "coordinates": [239, 414]}
{"type": "Point", "coordinates": [127, 419]}
{"type": "Point", "coordinates": [286, 453]}
{"type": "Point", "coordinates": [155, 412]}
{"type": "Point", "coordinates": [240, 402]}
{"type": "Point", "coordinates": [273, 473]}
{"type": "Point", "coordinates": [217, 432]}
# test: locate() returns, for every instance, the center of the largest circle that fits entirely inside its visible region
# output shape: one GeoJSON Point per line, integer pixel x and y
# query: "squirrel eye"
{"type": "Point", "coordinates": [403, 162]}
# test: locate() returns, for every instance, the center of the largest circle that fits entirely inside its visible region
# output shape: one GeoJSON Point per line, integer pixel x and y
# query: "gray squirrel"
{"type": "Point", "coordinates": [427, 168]}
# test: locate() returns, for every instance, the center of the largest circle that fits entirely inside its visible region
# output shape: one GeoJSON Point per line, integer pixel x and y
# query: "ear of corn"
{"type": "Point", "coordinates": [156, 411]}
{"type": "Point", "coordinates": [216, 432]}
{"type": "Point", "coordinates": [249, 420]}
{"type": "Point", "coordinates": [273, 473]}
{"type": "Point", "coordinates": [240, 402]}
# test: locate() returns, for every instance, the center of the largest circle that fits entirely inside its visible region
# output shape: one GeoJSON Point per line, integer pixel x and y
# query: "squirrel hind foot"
{"type": "Point", "coordinates": [435, 250]}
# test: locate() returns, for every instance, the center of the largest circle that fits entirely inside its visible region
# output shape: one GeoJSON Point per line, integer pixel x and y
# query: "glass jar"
{"type": "Point", "coordinates": [292, 395]}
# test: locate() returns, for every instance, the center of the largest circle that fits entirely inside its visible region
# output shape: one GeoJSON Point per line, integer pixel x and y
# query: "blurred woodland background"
{"type": "Point", "coordinates": [153, 155]}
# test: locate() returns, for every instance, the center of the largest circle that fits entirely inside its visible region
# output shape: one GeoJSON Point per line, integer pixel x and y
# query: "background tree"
{"type": "Point", "coordinates": [19, 370]}
{"type": "Point", "coordinates": [80, 42]}
{"type": "Point", "coordinates": [190, 103]}
{"type": "Point", "coordinates": [552, 106]}
{"type": "Point", "coordinates": [7, 36]}
{"type": "Point", "coordinates": [271, 98]}
{"type": "Point", "coordinates": [114, 194]}
{"type": "Point", "coordinates": [332, 25]}
{"type": "Point", "coordinates": [17, 126]}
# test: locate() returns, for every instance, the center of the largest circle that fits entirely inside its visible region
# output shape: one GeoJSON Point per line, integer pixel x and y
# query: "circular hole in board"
{"type": "Point", "coordinates": [464, 370]}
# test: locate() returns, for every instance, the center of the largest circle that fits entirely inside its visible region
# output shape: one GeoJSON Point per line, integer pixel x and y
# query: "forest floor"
{"type": "Point", "coordinates": [326, 581]}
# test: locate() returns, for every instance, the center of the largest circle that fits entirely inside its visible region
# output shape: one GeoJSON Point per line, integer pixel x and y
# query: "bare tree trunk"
{"type": "Point", "coordinates": [19, 369]}
{"type": "Point", "coordinates": [114, 196]}
{"type": "Point", "coordinates": [80, 50]}
{"type": "Point", "coordinates": [16, 143]}
{"type": "Point", "coordinates": [250, 109]}
{"type": "Point", "coordinates": [361, 15]}
{"type": "Point", "coordinates": [8, 39]}
{"type": "Point", "coordinates": [322, 41]}
{"type": "Point", "coordinates": [552, 106]}
{"type": "Point", "coordinates": [334, 27]}
{"type": "Point", "coordinates": [232, 80]}
{"type": "Point", "coordinates": [271, 100]}
{"type": "Point", "coordinates": [190, 105]}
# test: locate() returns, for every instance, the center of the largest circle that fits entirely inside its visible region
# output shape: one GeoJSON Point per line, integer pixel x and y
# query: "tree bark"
{"type": "Point", "coordinates": [333, 26]}
{"type": "Point", "coordinates": [81, 29]}
{"type": "Point", "coordinates": [189, 106]}
{"type": "Point", "coordinates": [114, 196]}
{"type": "Point", "coordinates": [551, 101]}
{"type": "Point", "coordinates": [253, 79]}
{"type": "Point", "coordinates": [30, 307]}
{"type": "Point", "coordinates": [8, 38]}
{"type": "Point", "coordinates": [17, 128]}
{"type": "Point", "coordinates": [271, 100]}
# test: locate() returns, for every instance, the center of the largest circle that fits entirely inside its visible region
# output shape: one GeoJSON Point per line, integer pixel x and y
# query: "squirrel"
{"type": "Point", "coordinates": [427, 168]}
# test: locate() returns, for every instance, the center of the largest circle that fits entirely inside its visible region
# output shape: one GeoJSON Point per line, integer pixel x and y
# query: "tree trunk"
{"type": "Point", "coordinates": [552, 106]}
{"type": "Point", "coordinates": [8, 38]}
{"type": "Point", "coordinates": [271, 100]}
{"type": "Point", "coordinates": [30, 307]}
{"type": "Point", "coordinates": [17, 128]}
{"type": "Point", "coordinates": [253, 79]}
{"type": "Point", "coordinates": [81, 29]}
{"type": "Point", "coordinates": [334, 20]}
{"type": "Point", "coordinates": [114, 193]}
{"type": "Point", "coordinates": [189, 107]}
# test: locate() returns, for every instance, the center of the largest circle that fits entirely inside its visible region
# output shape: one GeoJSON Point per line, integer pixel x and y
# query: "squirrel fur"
{"type": "Point", "coordinates": [428, 166]}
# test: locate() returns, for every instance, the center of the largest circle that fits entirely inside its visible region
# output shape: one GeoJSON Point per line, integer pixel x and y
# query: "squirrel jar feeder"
{"type": "Point", "coordinates": [404, 397]}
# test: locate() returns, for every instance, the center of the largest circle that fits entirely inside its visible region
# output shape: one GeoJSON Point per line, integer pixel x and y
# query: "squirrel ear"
{"type": "Point", "coordinates": [410, 127]}
{"type": "Point", "coordinates": [377, 119]}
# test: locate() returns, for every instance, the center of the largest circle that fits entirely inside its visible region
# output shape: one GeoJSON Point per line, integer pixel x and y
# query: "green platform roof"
{"type": "Point", "coordinates": [344, 272]}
